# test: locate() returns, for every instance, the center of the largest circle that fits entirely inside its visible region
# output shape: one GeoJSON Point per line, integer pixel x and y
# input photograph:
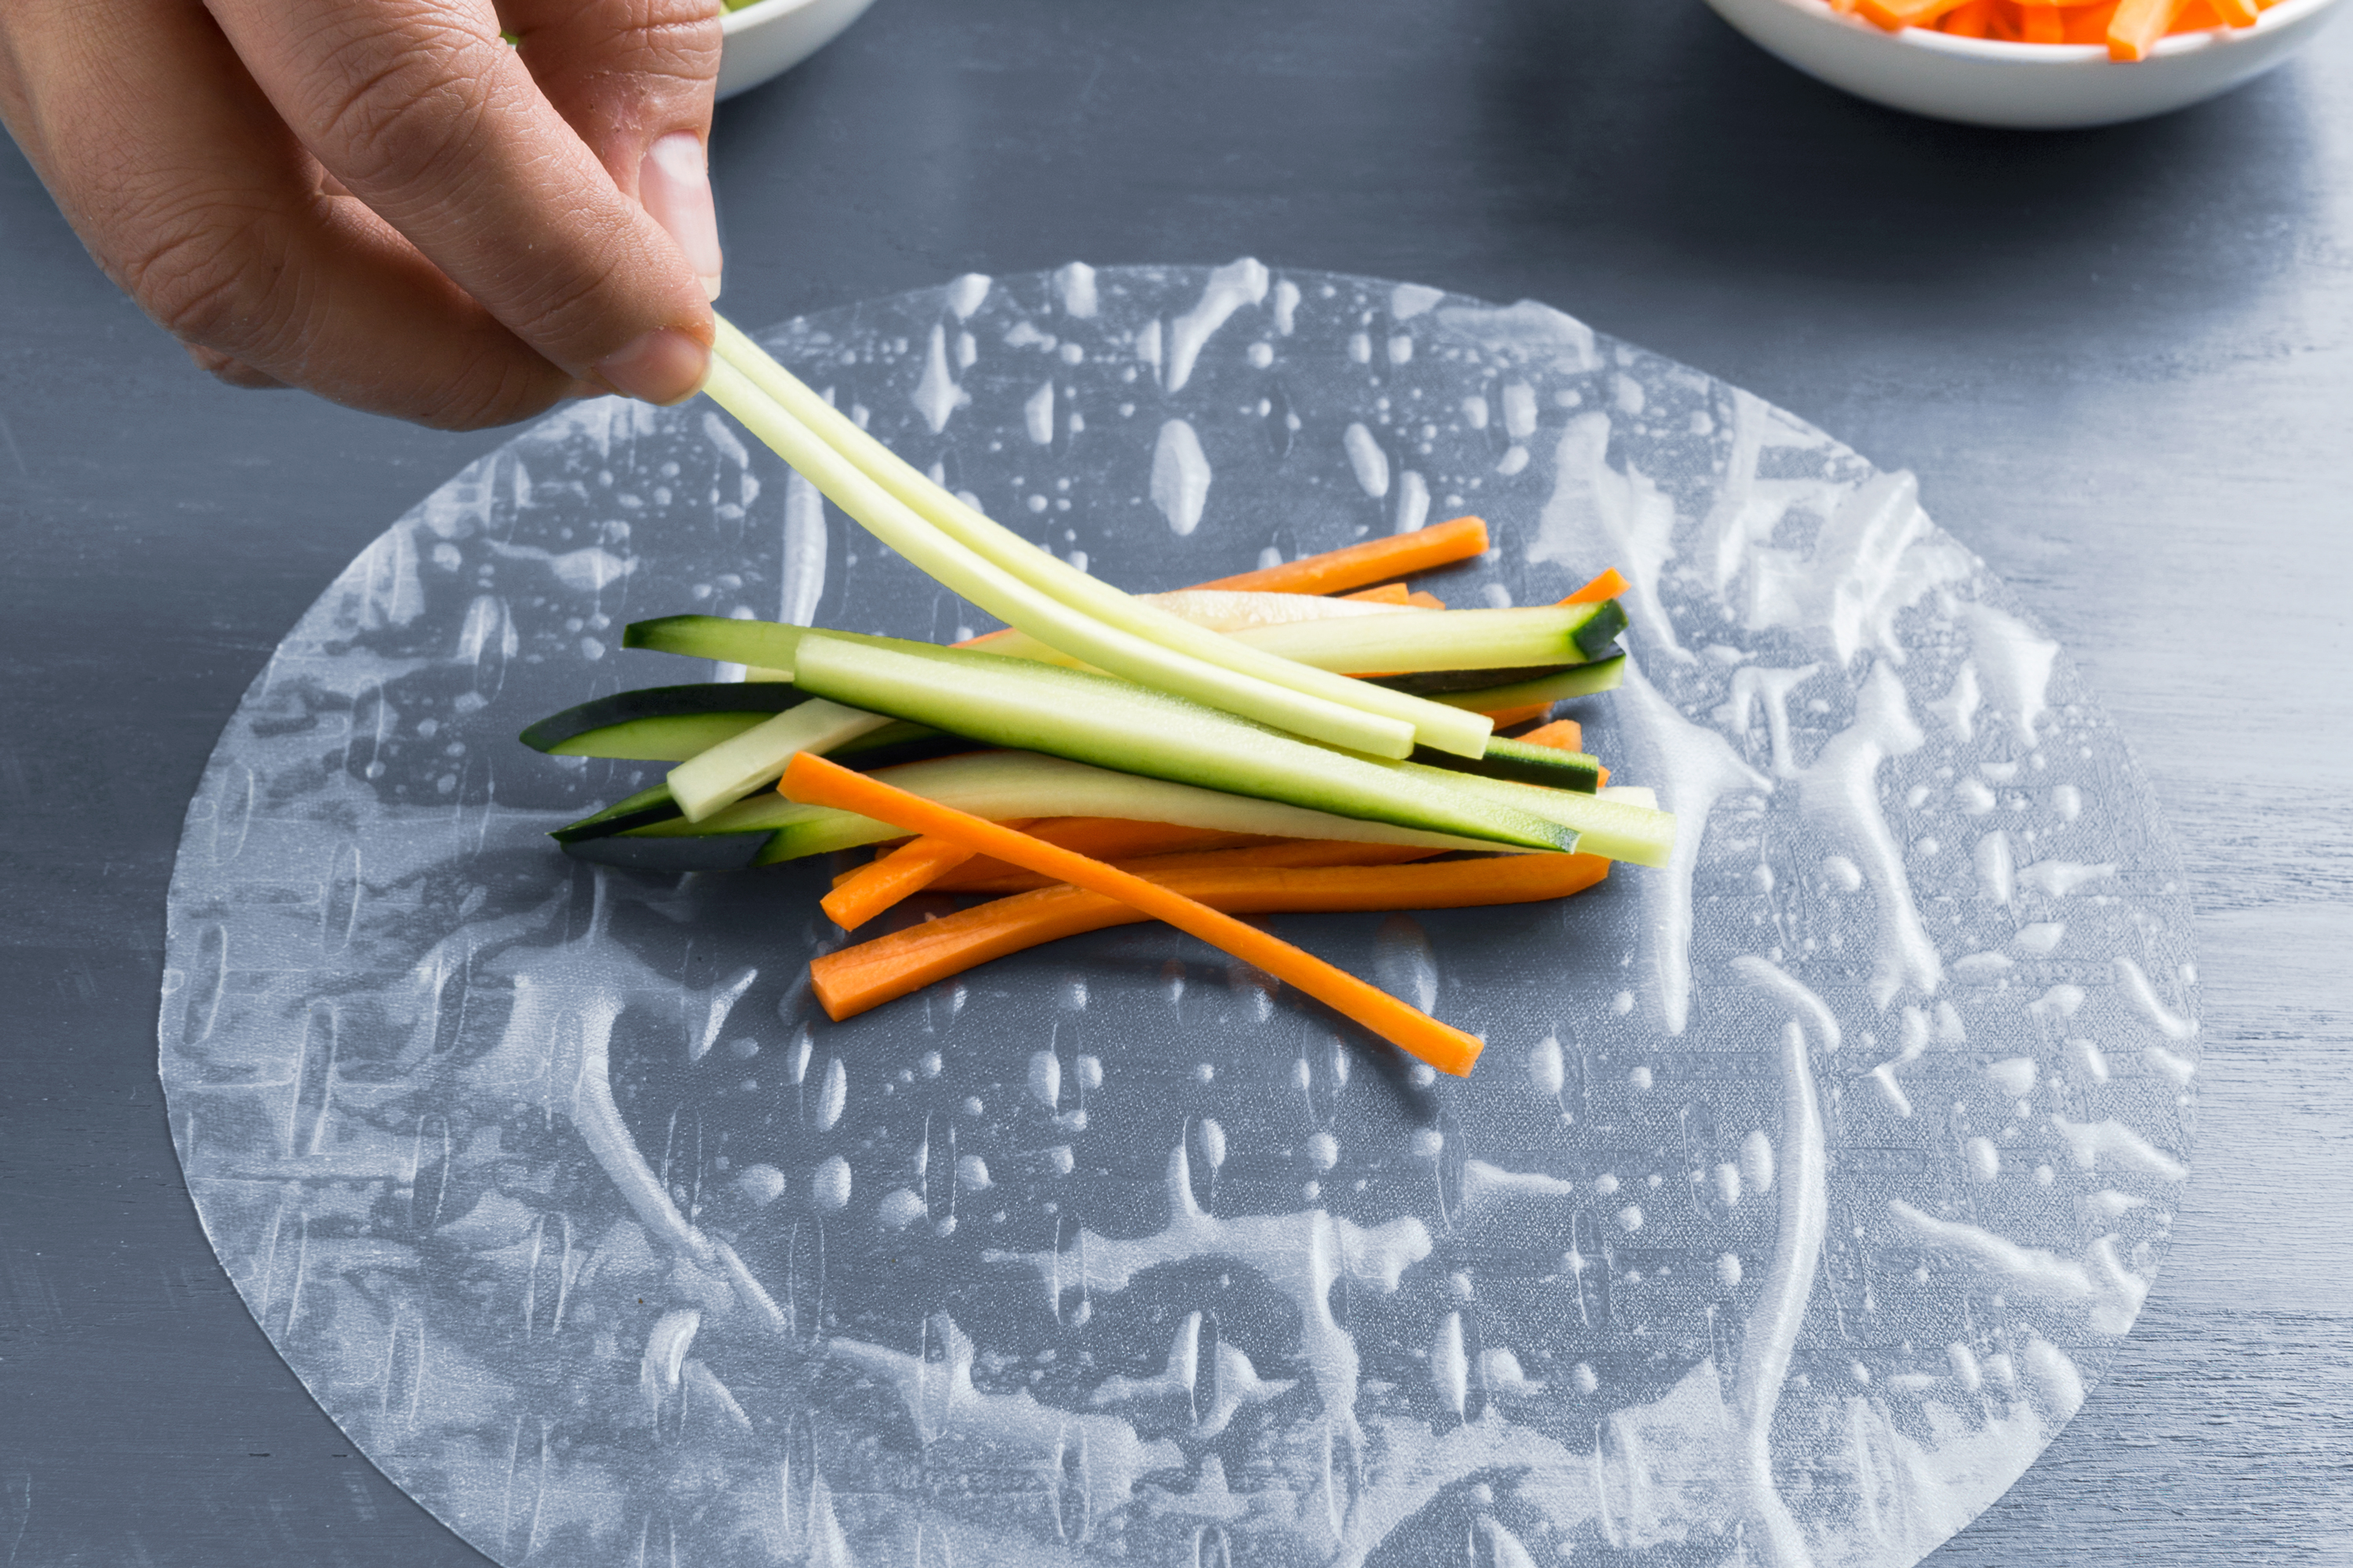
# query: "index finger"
{"type": "Point", "coordinates": [422, 111]}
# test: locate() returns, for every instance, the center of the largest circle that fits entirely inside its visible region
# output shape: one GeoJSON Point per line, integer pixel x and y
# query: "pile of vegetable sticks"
{"type": "Point", "coordinates": [2129, 28]}
{"type": "Point", "coordinates": [1233, 754]}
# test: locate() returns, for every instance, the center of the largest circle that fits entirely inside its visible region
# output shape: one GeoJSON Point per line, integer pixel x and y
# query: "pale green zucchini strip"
{"type": "Point", "coordinates": [743, 763]}
{"type": "Point", "coordinates": [1431, 722]}
{"type": "Point", "coordinates": [1077, 631]}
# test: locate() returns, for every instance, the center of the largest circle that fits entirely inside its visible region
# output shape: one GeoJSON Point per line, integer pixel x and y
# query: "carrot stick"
{"type": "Point", "coordinates": [812, 780]}
{"type": "Point", "coordinates": [1124, 838]}
{"type": "Point", "coordinates": [1505, 718]}
{"type": "Point", "coordinates": [1289, 852]}
{"type": "Point", "coordinates": [1104, 838]}
{"type": "Point", "coordinates": [1609, 584]}
{"type": "Point", "coordinates": [1374, 561]}
{"type": "Point", "coordinates": [855, 978]}
{"type": "Point", "coordinates": [1896, 15]}
{"type": "Point", "coordinates": [903, 873]}
{"type": "Point", "coordinates": [1388, 593]}
{"type": "Point", "coordinates": [2237, 13]}
{"type": "Point", "coordinates": [1565, 733]}
{"type": "Point", "coordinates": [2134, 30]}
{"type": "Point", "coordinates": [1973, 19]}
{"type": "Point", "coordinates": [1427, 600]}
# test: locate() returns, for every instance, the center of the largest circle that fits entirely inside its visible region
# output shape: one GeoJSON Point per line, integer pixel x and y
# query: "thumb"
{"type": "Point", "coordinates": [634, 79]}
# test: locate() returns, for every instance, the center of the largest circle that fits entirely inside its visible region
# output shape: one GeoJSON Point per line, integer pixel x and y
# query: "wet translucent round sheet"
{"type": "Point", "coordinates": [1806, 1187]}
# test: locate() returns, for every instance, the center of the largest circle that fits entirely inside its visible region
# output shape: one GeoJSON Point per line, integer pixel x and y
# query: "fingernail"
{"type": "Point", "coordinates": [663, 366]}
{"type": "Point", "coordinates": [674, 186]}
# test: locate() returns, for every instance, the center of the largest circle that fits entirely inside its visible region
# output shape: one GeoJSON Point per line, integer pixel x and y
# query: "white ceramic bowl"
{"type": "Point", "coordinates": [766, 40]}
{"type": "Point", "coordinates": [2031, 86]}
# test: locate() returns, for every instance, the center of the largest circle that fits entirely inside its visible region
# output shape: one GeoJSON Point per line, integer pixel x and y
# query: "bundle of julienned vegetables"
{"type": "Point", "coordinates": [2128, 27]}
{"type": "Point", "coordinates": [1267, 743]}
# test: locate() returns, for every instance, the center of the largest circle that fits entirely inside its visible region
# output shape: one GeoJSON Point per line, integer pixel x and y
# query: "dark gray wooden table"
{"type": "Point", "coordinates": [2121, 361]}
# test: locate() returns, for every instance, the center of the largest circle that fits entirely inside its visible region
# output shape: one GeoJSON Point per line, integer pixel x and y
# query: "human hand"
{"type": "Point", "coordinates": [382, 202]}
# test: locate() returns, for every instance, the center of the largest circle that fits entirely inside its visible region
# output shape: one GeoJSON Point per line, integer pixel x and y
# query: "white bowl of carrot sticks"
{"type": "Point", "coordinates": [2030, 64]}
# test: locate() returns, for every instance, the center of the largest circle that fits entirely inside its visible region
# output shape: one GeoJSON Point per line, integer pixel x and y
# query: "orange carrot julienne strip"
{"type": "Point", "coordinates": [1105, 838]}
{"type": "Point", "coordinates": [1505, 718]}
{"type": "Point", "coordinates": [1374, 561]}
{"type": "Point", "coordinates": [1388, 593]}
{"type": "Point", "coordinates": [814, 782]}
{"type": "Point", "coordinates": [1609, 584]}
{"type": "Point", "coordinates": [1427, 600]}
{"type": "Point", "coordinates": [1565, 733]}
{"type": "Point", "coordinates": [1896, 15]}
{"type": "Point", "coordinates": [904, 872]}
{"type": "Point", "coordinates": [855, 978]}
{"type": "Point", "coordinates": [2136, 26]}
{"type": "Point", "coordinates": [1973, 19]}
{"type": "Point", "coordinates": [1289, 854]}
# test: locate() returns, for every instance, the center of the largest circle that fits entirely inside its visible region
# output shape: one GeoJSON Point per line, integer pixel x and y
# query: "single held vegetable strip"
{"type": "Point", "coordinates": [904, 872]}
{"type": "Point", "coordinates": [812, 780]}
{"type": "Point", "coordinates": [1374, 561]}
{"type": "Point", "coordinates": [965, 551]}
{"type": "Point", "coordinates": [865, 976]}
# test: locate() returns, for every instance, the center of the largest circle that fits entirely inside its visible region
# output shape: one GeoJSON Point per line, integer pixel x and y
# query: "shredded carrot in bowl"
{"type": "Point", "coordinates": [2129, 28]}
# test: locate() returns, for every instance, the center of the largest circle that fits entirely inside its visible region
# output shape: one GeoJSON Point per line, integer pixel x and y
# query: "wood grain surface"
{"type": "Point", "coordinates": [2121, 362]}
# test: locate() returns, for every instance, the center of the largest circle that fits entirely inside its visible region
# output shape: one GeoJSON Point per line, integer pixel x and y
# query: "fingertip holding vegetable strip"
{"type": "Point", "coordinates": [812, 780]}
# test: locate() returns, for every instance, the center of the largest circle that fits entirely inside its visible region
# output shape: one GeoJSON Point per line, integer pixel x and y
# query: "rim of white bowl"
{"type": "Point", "coordinates": [769, 10]}
{"type": "Point", "coordinates": [1935, 42]}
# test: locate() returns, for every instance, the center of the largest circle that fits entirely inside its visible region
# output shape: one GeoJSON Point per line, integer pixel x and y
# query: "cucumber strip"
{"type": "Point", "coordinates": [658, 737]}
{"type": "Point", "coordinates": [1103, 606]}
{"type": "Point", "coordinates": [716, 637]}
{"type": "Point", "coordinates": [705, 851]}
{"type": "Point", "coordinates": [1435, 683]}
{"type": "Point", "coordinates": [643, 808]}
{"type": "Point", "coordinates": [557, 734]}
{"type": "Point", "coordinates": [1445, 639]}
{"type": "Point", "coordinates": [1230, 610]}
{"type": "Point", "coordinates": [1216, 610]}
{"type": "Point", "coordinates": [1094, 718]}
{"type": "Point", "coordinates": [735, 768]}
{"type": "Point", "coordinates": [1080, 632]}
{"type": "Point", "coordinates": [1003, 784]}
{"type": "Point", "coordinates": [1613, 826]}
{"type": "Point", "coordinates": [1577, 681]}
{"type": "Point", "coordinates": [896, 743]}
{"type": "Point", "coordinates": [1545, 765]}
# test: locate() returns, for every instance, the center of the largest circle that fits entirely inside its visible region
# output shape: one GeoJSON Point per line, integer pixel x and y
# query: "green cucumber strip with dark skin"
{"type": "Point", "coordinates": [657, 738]}
{"type": "Point", "coordinates": [705, 851]}
{"type": "Point", "coordinates": [1572, 680]}
{"type": "Point", "coordinates": [643, 808]}
{"type": "Point", "coordinates": [893, 744]}
{"type": "Point", "coordinates": [765, 644]}
{"type": "Point", "coordinates": [1593, 639]}
{"type": "Point", "coordinates": [1525, 764]}
{"type": "Point", "coordinates": [706, 700]}
{"type": "Point", "coordinates": [1444, 683]}
{"type": "Point", "coordinates": [1113, 724]}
